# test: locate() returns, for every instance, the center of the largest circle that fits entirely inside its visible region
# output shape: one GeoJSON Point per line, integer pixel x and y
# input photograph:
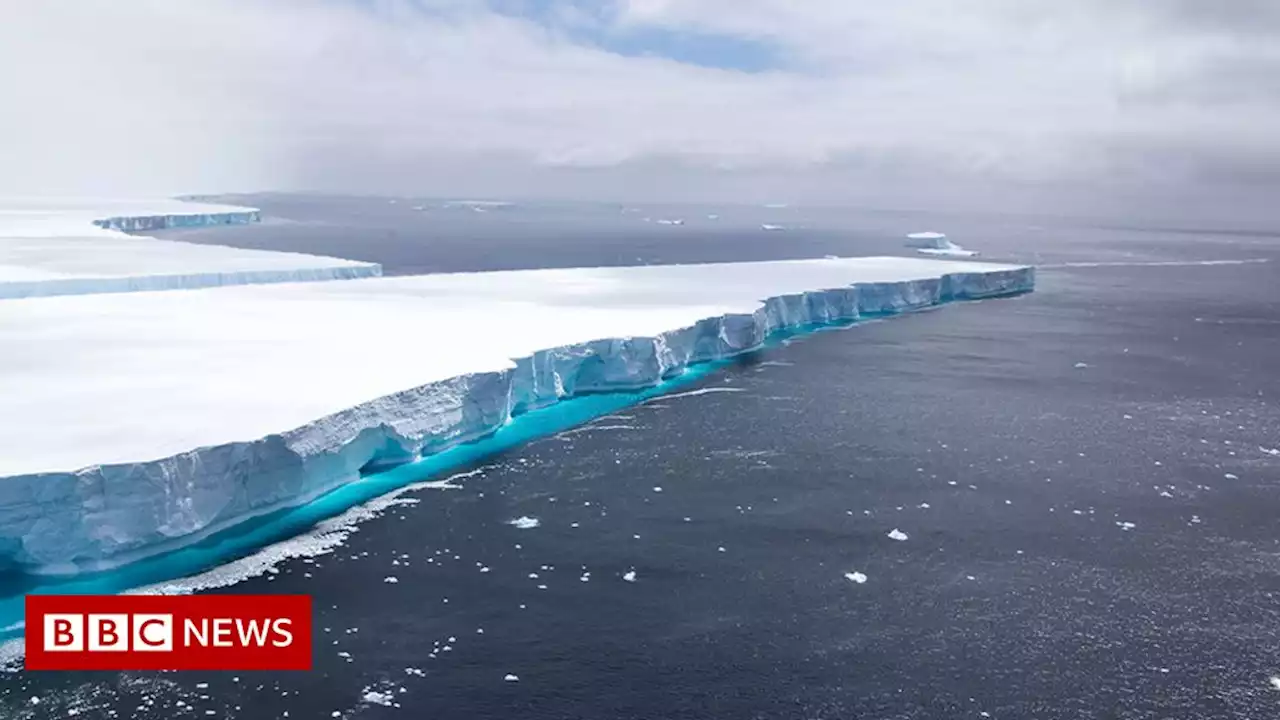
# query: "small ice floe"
{"type": "Point", "coordinates": [767, 226]}
{"type": "Point", "coordinates": [855, 577]}
{"type": "Point", "coordinates": [896, 534]}
{"type": "Point", "coordinates": [720, 549]}
{"type": "Point", "coordinates": [1275, 682]}
{"type": "Point", "coordinates": [392, 579]}
{"type": "Point", "coordinates": [586, 577]}
{"type": "Point", "coordinates": [713, 217]}
{"type": "Point", "coordinates": [1125, 525]}
{"type": "Point", "coordinates": [373, 697]}
{"type": "Point", "coordinates": [510, 678]}
{"type": "Point", "coordinates": [629, 576]}
{"type": "Point", "coordinates": [1274, 452]}
{"type": "Point", "coordinates": [525, 522]}
{"type": "Point", "coordinates": [1080, 365]}
{"type": "Point", "coordinates": [414, 671]}
{"type": "Point", "coordinates": [1231, 476]}
{"type": "Point", "coordinates": [675, 221]}
{"type": "Point", "coordinates": [657, 489]}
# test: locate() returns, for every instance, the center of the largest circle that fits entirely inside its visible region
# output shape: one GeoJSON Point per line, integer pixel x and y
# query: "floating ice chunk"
{"type": "Point", "coordinates": [392, 579]}
{"type": "Point", "coordinates": [1126, 525]}
{"type": "Point", "coordinates": [933, 243]}
{"type": "Point", "coordinates": [855, 577]}
{"type": "Point", "coordinates": [1275, 452]}
{"type": "Point", "coordinates": [657, 489]}
{"type": "Point", "coordinates": [511, 678]}
{"type": "Point", "coordinates": [1231, 476]}
{"type": "Point", "coordinates": [373, 697]}
{"type": "Point", "coordinates": [896, 534]}
{"type": "Point", "coordinates": [525, 522]}
{"type": "Point", "coordinates": [414, 671]}
{"type": "Point", "coordinates": [1275, 682]}
{"type": "Point", "coordinates": [767, 226]}
{"type": "Point", "coordinates": [1081, 365]}
{"type": "Point", "coordinates": [675, 221]}
{"type": "Point", "coordinates": [629, 576]}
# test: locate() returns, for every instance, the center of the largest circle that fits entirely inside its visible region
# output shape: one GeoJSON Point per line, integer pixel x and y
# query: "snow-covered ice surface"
{"type": "Point", "coordinates": [70, 247]}
{"type": "Point", "coordinates": [135, 423]}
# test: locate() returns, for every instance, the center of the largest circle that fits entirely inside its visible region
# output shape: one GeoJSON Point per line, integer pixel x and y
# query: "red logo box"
{"type": "Point", "coordinates": [168, 632]}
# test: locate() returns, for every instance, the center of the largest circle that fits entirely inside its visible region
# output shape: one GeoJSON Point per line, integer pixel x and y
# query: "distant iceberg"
{"type": "Point", "coordinates": [935, 243]}
{"type": "Point", "coordinates": [767, 226]}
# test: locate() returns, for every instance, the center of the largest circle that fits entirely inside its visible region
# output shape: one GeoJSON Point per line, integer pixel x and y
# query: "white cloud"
{"type": "Point", "coordinates": [158, 96]}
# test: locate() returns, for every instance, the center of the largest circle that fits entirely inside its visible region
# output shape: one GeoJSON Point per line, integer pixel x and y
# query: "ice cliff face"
{"type": "Point", "coordinates": [107, 515]}
{"type": "Point", "coordinates": [183, 281]}
{"type": "Point", "coordinates": [82, 250]}
{"type": "Point", "coordinates": [141, 223]}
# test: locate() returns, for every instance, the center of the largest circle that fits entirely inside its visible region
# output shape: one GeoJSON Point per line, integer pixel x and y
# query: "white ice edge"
{"type": "Point", "coordinates": [101, 516]}
{"type": "Point", "coordinates": [82, 246]}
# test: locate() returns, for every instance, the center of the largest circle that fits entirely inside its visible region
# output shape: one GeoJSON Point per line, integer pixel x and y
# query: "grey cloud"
{"type": "Point", "coordinates": [910, 101]}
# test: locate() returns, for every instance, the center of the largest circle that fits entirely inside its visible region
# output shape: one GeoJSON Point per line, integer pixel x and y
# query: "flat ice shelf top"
{"type": "Point", "coordinates": [53, 247]}
{"type": "Point", "coordinates": [89, 380]}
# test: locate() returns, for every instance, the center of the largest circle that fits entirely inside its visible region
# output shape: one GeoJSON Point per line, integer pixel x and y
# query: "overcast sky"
{"type": "Point", "coordinates": [909, 101]}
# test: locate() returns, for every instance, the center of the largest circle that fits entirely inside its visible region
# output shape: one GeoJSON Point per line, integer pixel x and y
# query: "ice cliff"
{"type": "Point", "coordinates": [101, 515]}
{"type": "Point", "coordinates": [73, 248]}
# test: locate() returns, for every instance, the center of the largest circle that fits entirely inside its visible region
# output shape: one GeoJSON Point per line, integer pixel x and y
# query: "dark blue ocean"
{"type": "Point", "coordinates": [1087, 479]}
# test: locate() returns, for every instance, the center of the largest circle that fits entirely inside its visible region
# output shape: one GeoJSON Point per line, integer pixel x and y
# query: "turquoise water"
{"type": "Point", "coordinates": [246, 538]}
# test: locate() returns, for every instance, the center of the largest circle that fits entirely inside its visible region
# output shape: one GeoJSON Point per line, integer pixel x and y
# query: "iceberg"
{"type": "Point", "coordinates": [70, 247]}
{"type": "Point", "coordinates": [132, 424]}
{"type": "Point", "coordinates": [937, 244]}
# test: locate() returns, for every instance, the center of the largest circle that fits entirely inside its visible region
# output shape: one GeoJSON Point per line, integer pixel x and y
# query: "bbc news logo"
{"type": "Point", "coordinates": [168, 632]}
